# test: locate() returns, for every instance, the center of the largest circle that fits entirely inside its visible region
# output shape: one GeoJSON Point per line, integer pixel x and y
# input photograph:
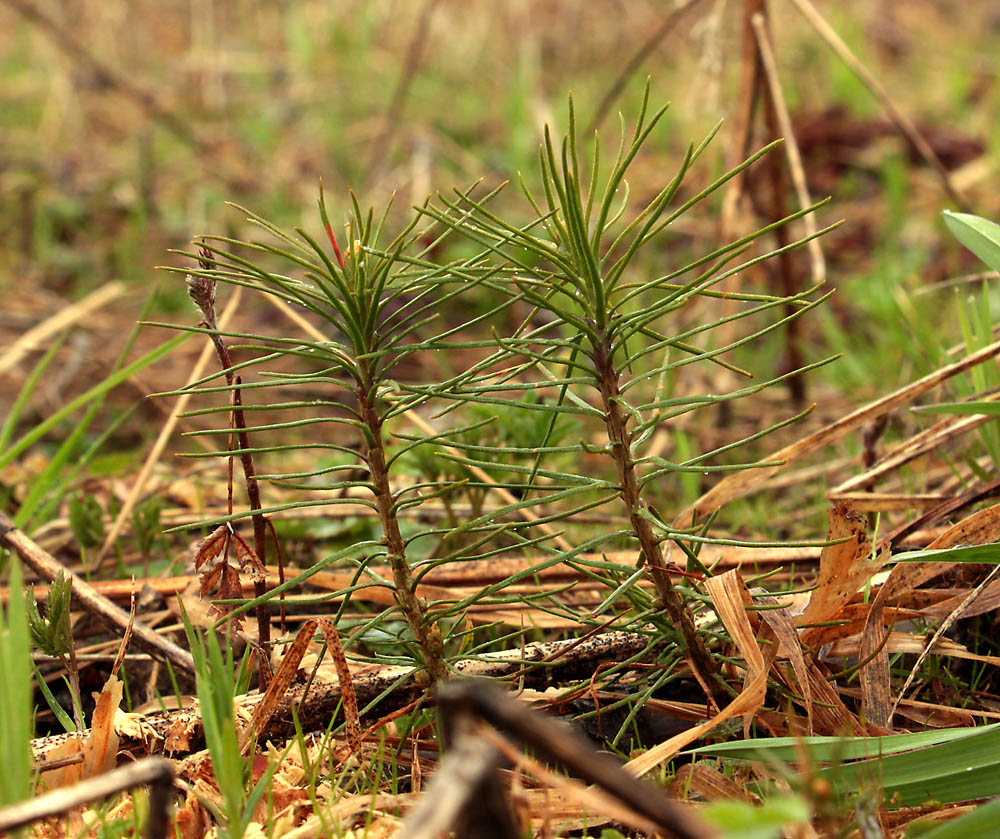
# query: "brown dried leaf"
{"type": "Point", "coordinates": [830, 715]}
{"type": "Point", "coordinates": [727, 592]}
{"type": "Point", "coordinates": [230, 586]}
{"type": "Point", "coordinates": [211, 547]}
{"type": "Point", "coordinates": [248, 559]}
{"type": "Point", "coordinates": [843, 568]}
{"type": "Point", "coordinates": [856, 617]}
{"type": "Point", "coordinates": [209, 580]}
{"type": "Point", "coordinates": [100, 752]}
{"type": "Point", "coordinates": [987, 601]}
{"type": "Point", "coordinates": [135, 726]}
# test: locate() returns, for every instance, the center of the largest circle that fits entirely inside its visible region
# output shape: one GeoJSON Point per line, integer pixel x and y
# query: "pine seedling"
{"type": "Point", "coordinates": [374, 304]}
{"type": "Point", "coordinates": [53, 634]}
{"type": "Point", "coordinates": [610, 332]}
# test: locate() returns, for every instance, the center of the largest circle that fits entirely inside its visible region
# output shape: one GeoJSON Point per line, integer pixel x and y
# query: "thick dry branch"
{"type": "Point", "coordinates": [555, 662]}
{"type": "Point", "coordinates": [476, 699]}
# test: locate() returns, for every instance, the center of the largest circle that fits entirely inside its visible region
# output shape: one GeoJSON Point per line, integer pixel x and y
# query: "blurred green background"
{"type": "Point", "coordinates": [126, 126]}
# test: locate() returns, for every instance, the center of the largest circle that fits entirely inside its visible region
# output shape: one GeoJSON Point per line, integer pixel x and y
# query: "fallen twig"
{"type": "Point", "coordinates": [154, 772]}
{"type": "Point", "coordinates": [464, 700]}
{"type": "Point", "coordinates": [47, 566]}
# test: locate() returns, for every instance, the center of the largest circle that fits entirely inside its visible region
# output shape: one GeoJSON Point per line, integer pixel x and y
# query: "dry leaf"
{"type": "Point", "coordinates": [843, 568]}
{"type": "Point", "coordinates": [726, 591]}
{"type": "Point", "coordinates": [248, 559]}
{"type": "Point", "coordinates": [212, 546]}
{"type": "Point", "coordinates": [190, 818]}
{"type": "Point", "coordinates": [100, 753]}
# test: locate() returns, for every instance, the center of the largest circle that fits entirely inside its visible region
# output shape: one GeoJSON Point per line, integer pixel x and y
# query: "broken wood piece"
{"type": "Point", "coordinates": [154, 772]}
{"type": "Point", "coordinates": [463, 701]}
{"type": "Point", "coordinates": [382, 690]}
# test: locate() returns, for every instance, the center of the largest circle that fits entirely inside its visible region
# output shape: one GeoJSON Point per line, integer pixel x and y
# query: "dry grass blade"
{"type": "Point", "coordinates": [39, 335]}
{"type": "Point", "coordinates": [742, 483]}
{"type": "Point", "coordinates": [898, 117]}
{"type": "Point", "coordinates": [981, 528]}
{"type": "Point", "coordinates": [726, 591]}
{"type": "Point", "coordinates": [707, 782]}
{"type": "Point", "coordinates": [942, 510]}
{"type": "Point", "coordinates": [946, 624]}
{"type": "Point", "coordinates": [167, 429]}
{"type": "Point", "coordinates": [770, 67]}
{"type": "Point", "coordinates": [278, 686]}
{"type": "Point", "coordinates": [875, 675]}
{"type": "Point", "coordinates": [921, 443]}
{"type": "Point", "coordinates": [783, 630]}
{"type": "Point", "coordinates": [591, 802]}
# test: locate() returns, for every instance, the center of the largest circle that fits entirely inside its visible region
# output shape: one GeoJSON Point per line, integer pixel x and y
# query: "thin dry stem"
{"type": "Point", "coordinates": [202, 291]}
{"type": "Point", "coordinates": [902, 122]}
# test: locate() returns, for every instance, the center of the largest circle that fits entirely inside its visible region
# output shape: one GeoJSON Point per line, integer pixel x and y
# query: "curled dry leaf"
{"type": "Point", "coordinates": [248, 559]}
{"type": "Point", "coordinates": [220, 580]}
{"type": "Point", "coordinates": [727, 593]}
{"type": "Point", "coordinates": [843, 568]}
{"type": "Point", "coordinates": [214, 545]}
{"type": "Point", "coordinates": [99, 748]}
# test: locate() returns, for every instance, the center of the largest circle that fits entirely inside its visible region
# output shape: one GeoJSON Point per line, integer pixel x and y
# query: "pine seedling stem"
{"type": "Point", "coordinates": [427, 635]}
{"type": "Point", "coordinates": [616, 423]}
